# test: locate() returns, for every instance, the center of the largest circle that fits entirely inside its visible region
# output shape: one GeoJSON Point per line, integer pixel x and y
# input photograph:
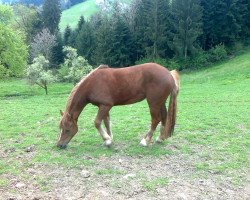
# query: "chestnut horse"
{"type": "Point", "coordinates": [107, 87]}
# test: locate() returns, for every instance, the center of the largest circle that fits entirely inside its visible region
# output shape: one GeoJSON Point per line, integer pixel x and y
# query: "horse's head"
{"type": "Point", "coordinates": [68, 128]}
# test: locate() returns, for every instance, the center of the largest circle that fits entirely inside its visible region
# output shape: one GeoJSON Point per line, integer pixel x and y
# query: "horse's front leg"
{"type": "Point", "coordinates": [101, 115]}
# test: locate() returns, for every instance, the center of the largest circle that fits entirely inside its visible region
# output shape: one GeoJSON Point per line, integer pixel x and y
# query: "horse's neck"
{"type": "Point", "coordinates": [77, 104]}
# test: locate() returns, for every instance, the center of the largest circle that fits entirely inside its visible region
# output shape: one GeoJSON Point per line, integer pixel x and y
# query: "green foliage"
{"type": "Point", "coordinates": [51, 15]}
{"type": "Point", "coordinates": [3, 72]}
{"type": "Point", "coordinates": [85, 40]}
{"type": "Point", "coordinates": [150, 24]}
{"type": "Point", "coordinates": [224, 21]}
{"type": "Point", "coordinates": [13, 51]}
{"type": "Point", "coordinates": [121, 52]}
{"type": "Point", "coordinates": [27, 19]}
{"type": "Point", "coordinates": [151, 185]}
{"type": "Point", "coordinates": [6, 14]}
{"type": "Point", "coordinates": [178, 31]}
{"type": "Point", "coordinates": [66, 35]}
{"type": "Point", "coordinates": [38, 73]}
{"type": "Point", "coordinates": [103, 40]}
{"type": "Point", "coordinates": [74, 66]}
{"type": "Point", "coordinates": [168, 63]}
{"type": "Point", "coordinates": [217, 53]}
{"type": "Point", "coordinates": [203, 59]}
{"type": "Point", "coordinates": [57, 51]}
{"type": "Point", "coordinates": [186, 22]}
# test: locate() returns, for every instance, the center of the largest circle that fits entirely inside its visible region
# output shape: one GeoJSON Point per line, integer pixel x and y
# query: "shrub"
{"type": "Point", "coordinates": [74, 66]}
{"type": "Point", "coordinates": [217, 53]}
{"type": "Point", "coordinates": [170, 63]}
{"type": "Point", "coordinates": [38, 73]}
{"type": "Point", "coordinates": [4, 72]}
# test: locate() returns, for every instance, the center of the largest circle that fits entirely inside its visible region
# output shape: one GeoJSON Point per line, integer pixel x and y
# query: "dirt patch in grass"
{"type": "Point", "coordinates": [172, 176]}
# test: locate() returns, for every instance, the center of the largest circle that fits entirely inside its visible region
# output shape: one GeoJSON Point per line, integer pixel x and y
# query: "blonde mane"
{"type": "Point", "coordinates": [72, 93]}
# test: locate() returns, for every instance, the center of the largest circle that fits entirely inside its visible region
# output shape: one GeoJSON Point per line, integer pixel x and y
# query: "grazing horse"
{"type": "Point", "coordinates": [107, 87]}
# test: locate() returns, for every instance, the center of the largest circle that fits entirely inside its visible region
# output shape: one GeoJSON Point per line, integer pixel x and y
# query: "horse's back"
{"type": "Point", "coordinates": [121, 86]}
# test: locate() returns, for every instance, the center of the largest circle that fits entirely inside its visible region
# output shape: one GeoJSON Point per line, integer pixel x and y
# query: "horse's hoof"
{"type": "Point", "coordinates": [143, 142]}
{"type": "Point", "coordinates": [159, 140]}
{"type": "Point", "coordinates": [108, 143]}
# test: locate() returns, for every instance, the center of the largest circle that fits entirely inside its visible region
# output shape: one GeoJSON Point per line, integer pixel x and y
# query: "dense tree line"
{"type": "Point", "coordinates": [179, 30]}
{"type": "Point", "coordinates": [175, 33]}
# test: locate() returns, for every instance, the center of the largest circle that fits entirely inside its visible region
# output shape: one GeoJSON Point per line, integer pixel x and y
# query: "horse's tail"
{"type": "Point", "coordinates": [172, 108]}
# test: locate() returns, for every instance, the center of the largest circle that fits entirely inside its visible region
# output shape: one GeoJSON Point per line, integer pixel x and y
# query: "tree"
{"type": "Point", "coordinates": [86, 41]}
{"type": "Point", "coordinates": [66, 35]}
{"type": "Point", "coordinates": [187, 24]}
{"type": "Point", "coordinates": [121, 48]}
{"type": "Point", "coordinates": [158, 25]}
{"type": "Point", "coordinates": [13, 50]}
{"type": "Point", "coordinates": [81, 23]}
{"type": "Point", "coordinates": [51, 14]}
{"type": "Point", "coordinates": [102, 53]}
{"type": "Point", "coordinates": [6, 14]}
{"type": "Point", "coordinates": [26, 19]}
{"type": "Point", "coordinates": [43, 44]}
{"type": "Point", "coordinates": [223, 21]}
{"type": "Point", "coordinates": [57, 56]}
{"type": "Point", "coordinates": [74, 67]}
{"type": "Point", "coordinates": [150, 26]}
{"type": "Point", "coordinates": [140, 12]}
{"type": "Point", "coordinates": [38, 73]}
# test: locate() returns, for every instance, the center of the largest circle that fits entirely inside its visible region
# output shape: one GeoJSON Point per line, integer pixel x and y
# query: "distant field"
{"type": "Point", "coordinates": [87, 9]}
{"type": "Point", "coordinates": [71, 16]}
{"type": "Point", "coordinates": [206, 158]}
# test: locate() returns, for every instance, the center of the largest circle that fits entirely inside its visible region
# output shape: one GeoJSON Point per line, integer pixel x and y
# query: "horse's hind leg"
{"type": "Point", "coordinates": [101, 115]}
{"type": "Point", "coordinates": [155, 119]}
{"type": "Point", "coordinates": [163, 123]}
{"type": "Point", "coordinates": [107, 125]}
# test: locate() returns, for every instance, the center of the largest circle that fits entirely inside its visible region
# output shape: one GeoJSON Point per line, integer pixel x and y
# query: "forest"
{"type": "Point", "coordinates": [180, 34]}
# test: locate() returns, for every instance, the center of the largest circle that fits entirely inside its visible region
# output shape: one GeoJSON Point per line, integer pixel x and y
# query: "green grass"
{"type": "Point", "coordinates": [151, 185]}
{"type": "Point", "coordinates": [213, 123]}
{"type": "Point", "coordinates": [72, 15]}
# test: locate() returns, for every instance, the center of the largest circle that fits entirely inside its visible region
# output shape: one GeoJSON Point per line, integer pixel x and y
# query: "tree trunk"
{"type": "Point", "coordinates": [46, 89]}
{"type": "Point", "coordinates": [185, 53]}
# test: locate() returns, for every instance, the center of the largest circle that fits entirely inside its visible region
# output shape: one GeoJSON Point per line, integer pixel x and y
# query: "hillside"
{"type": "Point", "coordinates": [87, 9]}
{"type": "Point", "coordinates": [71, 16]}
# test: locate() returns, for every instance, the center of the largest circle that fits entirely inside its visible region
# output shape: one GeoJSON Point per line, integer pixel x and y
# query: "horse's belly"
{"type": "Point", "coordinates": [129, 99]}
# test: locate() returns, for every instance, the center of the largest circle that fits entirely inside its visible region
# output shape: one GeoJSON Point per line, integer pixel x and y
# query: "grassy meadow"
{"type": "Point", "coordinates": [87, 9]}
{"type": "Point", "coordinates": [71, 16]}
{"type": "Point", "coordinates": [213, 122]}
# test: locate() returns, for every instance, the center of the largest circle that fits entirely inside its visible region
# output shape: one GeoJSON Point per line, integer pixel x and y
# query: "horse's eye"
{"type": "Point", "coordinates": [67, 131]}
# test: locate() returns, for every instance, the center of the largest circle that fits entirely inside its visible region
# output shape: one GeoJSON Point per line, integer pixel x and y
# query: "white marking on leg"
{"type": "Point", "coordinates": [143, 142]}
{"type": "Point", "coordinates": [107, 139]}
{"type": "Point", "coordinates": [108, 143]}
{"type": "Point", "coordinates": [111, 135]}
{"type": "Point", "coordinates": [104, 134]}
{"type": "Point", "coordinates": [159, 140]}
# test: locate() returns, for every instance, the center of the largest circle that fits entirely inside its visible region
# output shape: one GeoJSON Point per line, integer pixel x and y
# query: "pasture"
{"type": "Point", "coordinates": [72, 15]}
{"type": "Point", "coordinates": [207, 157]}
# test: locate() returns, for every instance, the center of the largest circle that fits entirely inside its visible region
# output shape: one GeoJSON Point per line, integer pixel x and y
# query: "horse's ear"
{"type": "Point", "coordinates": [62, 113]}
